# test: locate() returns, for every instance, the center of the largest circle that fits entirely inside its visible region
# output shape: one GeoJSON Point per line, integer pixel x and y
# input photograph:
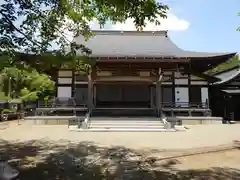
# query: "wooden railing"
{"type": "Point", "coordinates": [184, 105]}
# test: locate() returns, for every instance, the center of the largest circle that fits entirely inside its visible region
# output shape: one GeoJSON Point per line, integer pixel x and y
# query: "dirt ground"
{"type": "Point", "coordinates": [43, 152]}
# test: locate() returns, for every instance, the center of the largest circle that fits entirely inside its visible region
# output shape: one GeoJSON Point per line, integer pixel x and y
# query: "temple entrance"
{"type": "Point", "coordinates": [123, 95]}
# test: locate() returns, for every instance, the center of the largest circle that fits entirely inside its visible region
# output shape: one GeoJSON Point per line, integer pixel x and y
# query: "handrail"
{"type": "Point", "coordinates": [167, 124]}
{"type": "Point", "coordinates": [87, 118]}
{"type": "Point", "coordinates": [163, 118]}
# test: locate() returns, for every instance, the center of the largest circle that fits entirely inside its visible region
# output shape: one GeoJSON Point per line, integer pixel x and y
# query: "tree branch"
{"type": "Point", "coordinates": [10, 22]}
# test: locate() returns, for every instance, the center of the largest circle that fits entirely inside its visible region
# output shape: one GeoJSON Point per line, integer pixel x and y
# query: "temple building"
{"type": "Point", "coordinates": [142, 70]}
{"type": "Point", "coordinates": [225, 94]}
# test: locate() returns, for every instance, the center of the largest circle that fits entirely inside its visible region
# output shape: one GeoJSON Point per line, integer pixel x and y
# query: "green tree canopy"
{"type": "Point", "coordinates": [34, 26]}
{"type": "Point", "coordinates": [26, 84]}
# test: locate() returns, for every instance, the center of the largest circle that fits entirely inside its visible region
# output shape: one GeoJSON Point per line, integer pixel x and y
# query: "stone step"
{"type": "Point", "coordinates": [122, 130]}
{"type": "Point", "coordinates": [123, 111]}
{"type": "Point", "coordinates": [147, 119]}
{"type": "Point", "coordinates": [126, 122]}
{"type": "Point", "coordinates": [126, 129]}
{"type": "Point", "coordinates": [126, 126]}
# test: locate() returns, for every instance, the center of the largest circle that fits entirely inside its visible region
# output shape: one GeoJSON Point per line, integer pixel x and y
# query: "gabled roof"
{"type": "Point", "coordinates": [138, 44]}
{"type": "Point", "coordinates": [227, 76]}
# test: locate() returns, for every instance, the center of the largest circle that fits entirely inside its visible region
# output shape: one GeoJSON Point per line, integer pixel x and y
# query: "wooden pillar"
{"type": "Point", "coordinates": [158, 98]}
{"type": "Point", "coordinates": [173, 89]}
{"type": "Point", "coordinates": [159, 93]}
{"type": "Point", "coordinates": [73, 83]}
{"type": "Point", "coordinates": [152, 93]}
{"type": "Point", "coordinates": [94, 95]}
{"type": "Point", "coordinates": [90, 91]}
{"type": "Point", "coordinates": [56, 85]}
{"type": "Point", "coordinates": [189, 91]}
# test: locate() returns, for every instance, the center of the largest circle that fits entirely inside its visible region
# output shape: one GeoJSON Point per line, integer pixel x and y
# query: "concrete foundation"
{"type": "Point", "coordinates": [188, 120]}
{"type": "Point", "coordinates": [64, 120]}
{"type": "Point", "coordinates": [51, 120]}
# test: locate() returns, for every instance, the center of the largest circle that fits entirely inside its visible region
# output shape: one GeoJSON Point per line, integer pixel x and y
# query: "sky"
{"type": "Point", "coordinates": [212, 24]}
{"type": "Point", "coordinates": [199, 25]}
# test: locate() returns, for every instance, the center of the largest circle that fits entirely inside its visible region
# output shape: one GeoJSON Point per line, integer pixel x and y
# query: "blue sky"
{"type": "Point", "coordinates": [212, 25]}
{"type": "Point", "coordinates": [200, 25]}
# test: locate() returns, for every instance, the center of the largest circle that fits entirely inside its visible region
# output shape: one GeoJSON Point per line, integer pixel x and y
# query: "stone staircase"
{"type": "Point", "coordinates": [126, 112]}
{"type": "Point", "coordinates": [124, 124]}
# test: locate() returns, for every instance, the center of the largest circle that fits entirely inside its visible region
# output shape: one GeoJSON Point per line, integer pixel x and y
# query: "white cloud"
{"type": "Point", "coordinates": [172, 23]}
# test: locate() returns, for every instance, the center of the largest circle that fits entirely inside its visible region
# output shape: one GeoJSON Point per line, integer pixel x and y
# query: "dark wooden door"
{"type": "Point", "coordinates": [195, 95]}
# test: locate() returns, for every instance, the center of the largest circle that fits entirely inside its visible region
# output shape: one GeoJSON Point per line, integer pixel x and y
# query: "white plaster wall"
{"type": "Point", "coordinates": [181, 81]}
{"type": "Point", "coordinates": [180, 75]}
{"type": "Point", "coordinates": [199, 82]}
{"type": "Point", "coordinates": [104, 73]}
{"type": "Point", "coordinates": [204, 94]}
{"type": "Point", "coordinates": [64, 73]}
{"type": "Point", "coordinates": [126, 78]}
{"type": "Point", "coordinates": [84, 82]}
{"type": "Point", "coordinates": [181, 96]}
{"type": "Point", "coordinates": [64, 80]}
{"type": "Point", "coordinates": [64, 92]}
{"type": "Point", "coordinates": [167, 78]}
{"type": "Point", "coordinates": [167, 73]}
{"type": "Point", "coordinates": [195, 77]}
{"type": "Point", "coordinates": [166, 83]}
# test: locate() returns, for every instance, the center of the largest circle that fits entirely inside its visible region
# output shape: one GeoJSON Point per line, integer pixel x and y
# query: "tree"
{"type": "Point", "coordinates": [34, 26]}
{"type": "Point", "coordinates": [30, 28]}
{"type": "Point", "coordinates": [26, 84]}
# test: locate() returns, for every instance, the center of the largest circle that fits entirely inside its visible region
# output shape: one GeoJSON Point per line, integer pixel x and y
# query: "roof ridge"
{"type": "Point", "coordinates": [130, 32]}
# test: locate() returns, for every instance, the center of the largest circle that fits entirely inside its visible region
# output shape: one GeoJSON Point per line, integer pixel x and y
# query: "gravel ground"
{"type": "Point", "coordinates": [195, 137]}
{"type": "Point", "coordinates": [204, 152]}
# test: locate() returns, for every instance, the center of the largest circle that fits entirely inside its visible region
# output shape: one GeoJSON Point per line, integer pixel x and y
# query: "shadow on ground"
{"type": "Point", "coordinates": [63, 160]}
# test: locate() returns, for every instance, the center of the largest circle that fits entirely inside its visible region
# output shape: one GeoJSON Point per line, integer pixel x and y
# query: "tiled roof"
{"type": "Point", "coordinates": [227, 76]}
{"type": "Point", "coordinates": [232, 91]}
{"type": "Point", "coordinates": [137, 44]}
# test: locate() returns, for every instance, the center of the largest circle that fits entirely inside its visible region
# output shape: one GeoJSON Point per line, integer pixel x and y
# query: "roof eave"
{"type": "Point", "coordinates": [231, 78]}
{"type": "Point", "coordinates": [213, 56]}
{"type": "Point", "coordinates": [210, 62]}
{"type": "Point", "coordinates": [141, 59]}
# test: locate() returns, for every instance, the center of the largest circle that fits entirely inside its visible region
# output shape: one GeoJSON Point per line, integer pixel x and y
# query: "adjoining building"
{"type": "Point", "coordinates": [225, 94]}
{"type": "Point", "coordinates": [142, 70]}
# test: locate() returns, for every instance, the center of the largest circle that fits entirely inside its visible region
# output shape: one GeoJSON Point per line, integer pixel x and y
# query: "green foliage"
{"type": "Point", "coordinates": [6, 111]}
{"type": "Point", "coordinates": [37, 25]}
{"type": "Point", "coordinates": [15, 101]}
{"type": "Point", "coordinates": [24, 92]}
{"type": "Point", "coordinates": [28, 84]}
{"type": "Point", "coordinates": [31, 96]}
{"type": "Point", "coordinates": [15, 74]}
{"type": "Point", "coordinates": [27, 95]}
{"type": "Point", "coordinates": [33, 27]}
{"type": "Point", "coordinates": [3, 96]}
{"type": "Point", "coordinates": [233, 62]}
